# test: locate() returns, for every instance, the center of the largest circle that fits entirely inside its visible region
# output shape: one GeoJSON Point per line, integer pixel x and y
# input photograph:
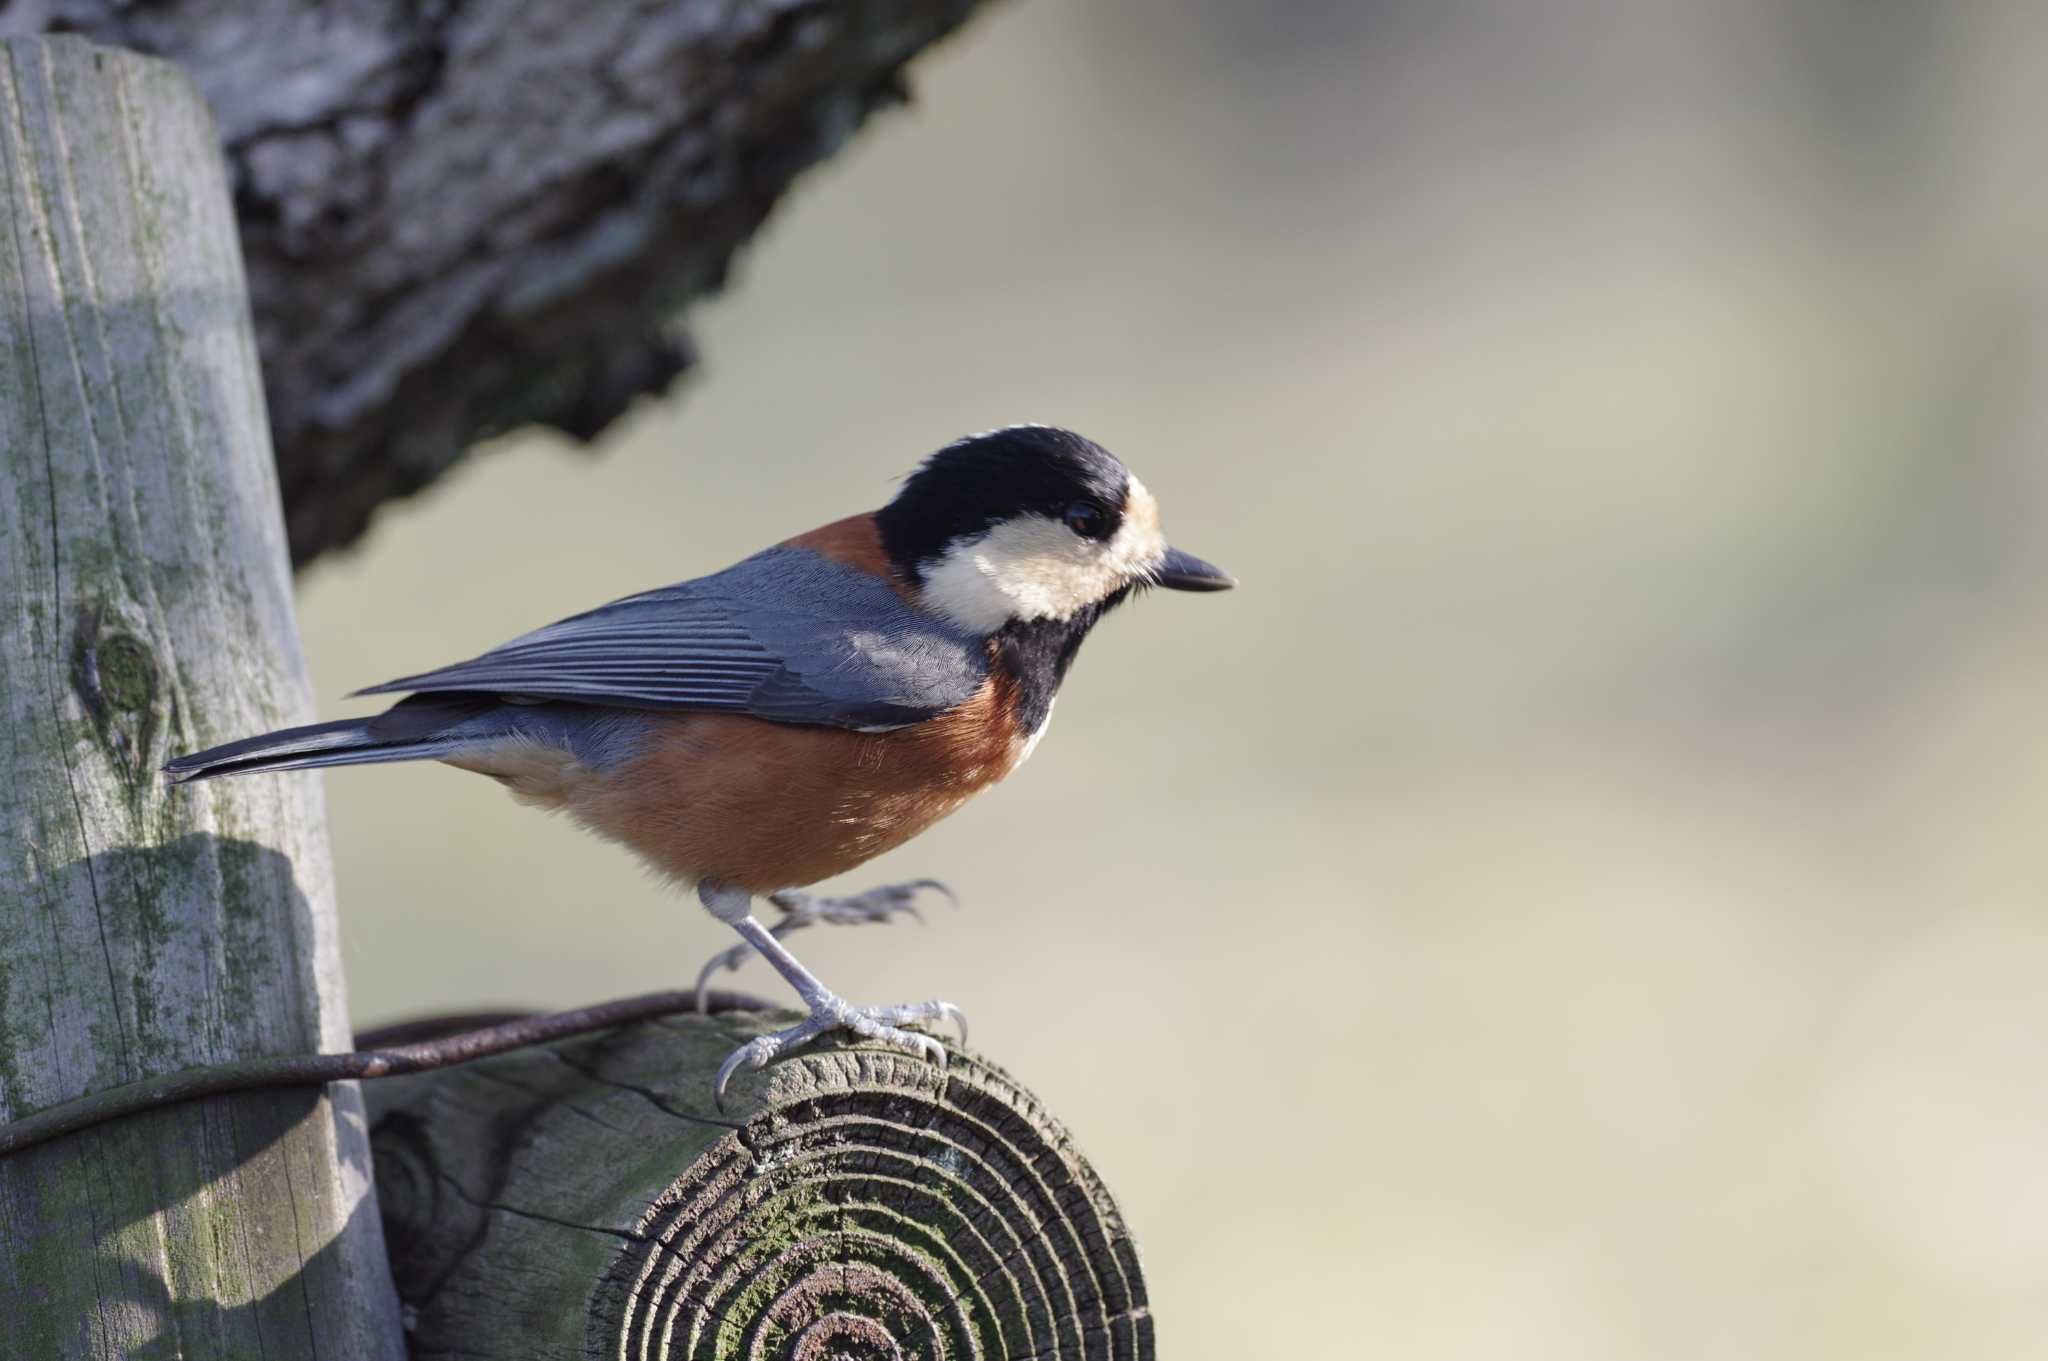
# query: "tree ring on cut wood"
{"type": "Point", "coordinates": [878, 1209]}
{"type": "Point", "coordinates": [864, 1207]}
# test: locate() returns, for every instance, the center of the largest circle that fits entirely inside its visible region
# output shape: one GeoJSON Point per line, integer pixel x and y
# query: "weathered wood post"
{"type": "Point", "coordinates": [145, 607]}
{"type": "Point", "coordinates": [587, 1199]}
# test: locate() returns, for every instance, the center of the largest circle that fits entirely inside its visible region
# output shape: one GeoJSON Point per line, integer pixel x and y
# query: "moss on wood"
{"type": "Point", "coordinates": [145, 605]}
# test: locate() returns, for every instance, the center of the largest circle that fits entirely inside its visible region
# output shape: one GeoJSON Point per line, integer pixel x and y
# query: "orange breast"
{"type": "Point", "coordinates": [765, 805]}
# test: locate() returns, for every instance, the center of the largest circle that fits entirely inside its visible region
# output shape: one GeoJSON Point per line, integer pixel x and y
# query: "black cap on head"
{"type": "Point", "coordinates": [982, 480]}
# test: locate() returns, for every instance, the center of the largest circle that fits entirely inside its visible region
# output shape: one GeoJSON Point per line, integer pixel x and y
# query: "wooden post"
{"type": "Point", "coordinates": [145, 607]}
{"type": "Point", "coordinates": [587, 1199]}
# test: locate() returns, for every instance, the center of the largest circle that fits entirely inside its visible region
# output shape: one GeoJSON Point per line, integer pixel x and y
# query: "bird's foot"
{"type": "Point", "coordinates": [800, 910]}
{"type": "Point", "coordinates": [830, 1013]}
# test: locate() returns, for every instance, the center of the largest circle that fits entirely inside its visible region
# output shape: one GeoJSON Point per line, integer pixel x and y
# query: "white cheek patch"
{"type": "Point", "coordinates": [1034, 567]}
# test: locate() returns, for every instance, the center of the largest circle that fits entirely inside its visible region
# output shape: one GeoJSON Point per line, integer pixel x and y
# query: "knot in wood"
{"type": "Point", "coordinates": [126, 675]}
{"type": "Point", "coordinates": [116, 677]}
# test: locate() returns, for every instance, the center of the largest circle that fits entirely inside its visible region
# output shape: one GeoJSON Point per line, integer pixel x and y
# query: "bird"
{"type": "Point", "coordinates": [752, 732]}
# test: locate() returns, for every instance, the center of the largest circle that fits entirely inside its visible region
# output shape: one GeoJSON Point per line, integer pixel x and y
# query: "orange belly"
{"type": "Point", "coordinates": [765, 806]}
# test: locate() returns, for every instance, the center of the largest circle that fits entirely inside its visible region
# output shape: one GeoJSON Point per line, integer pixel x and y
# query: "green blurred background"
{"type": "Point", "coordinates": [1584, 896]}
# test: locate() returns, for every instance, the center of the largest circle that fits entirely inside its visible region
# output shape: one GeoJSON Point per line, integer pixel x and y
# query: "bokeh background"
{"type": "Point", "coordinates": [1587, 894]}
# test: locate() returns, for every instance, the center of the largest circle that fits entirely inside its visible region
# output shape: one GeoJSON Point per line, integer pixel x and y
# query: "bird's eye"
{"type": "Point", "coordinates": [1087, 519]}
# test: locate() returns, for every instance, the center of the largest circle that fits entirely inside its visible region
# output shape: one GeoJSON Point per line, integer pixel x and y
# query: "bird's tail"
{"type": "Point", "coordinates": [396, 735]}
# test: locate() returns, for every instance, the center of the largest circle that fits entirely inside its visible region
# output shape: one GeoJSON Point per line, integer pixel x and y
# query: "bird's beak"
{"type": "Point", "coordinates": [1186, 572]}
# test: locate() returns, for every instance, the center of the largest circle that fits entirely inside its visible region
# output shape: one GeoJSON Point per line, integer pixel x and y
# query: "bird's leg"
{"type": "Point", "coordinates": [829, 1011]}
{"type": "Point", "coordinates": [800, 910]}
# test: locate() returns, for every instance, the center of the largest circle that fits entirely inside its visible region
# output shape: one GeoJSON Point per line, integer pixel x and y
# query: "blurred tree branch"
{"type": "Point", "coordinates": [462, 218]}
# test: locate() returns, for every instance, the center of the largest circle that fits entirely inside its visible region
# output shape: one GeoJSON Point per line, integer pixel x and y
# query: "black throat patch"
{"type": "Point", "coordinates": [1035, 655]}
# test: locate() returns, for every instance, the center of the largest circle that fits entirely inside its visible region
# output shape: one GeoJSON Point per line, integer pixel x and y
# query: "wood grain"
{"type": "Point", "coordinates": [588, 1200]}
{"type": "Point", "coordinates": [145, 606]}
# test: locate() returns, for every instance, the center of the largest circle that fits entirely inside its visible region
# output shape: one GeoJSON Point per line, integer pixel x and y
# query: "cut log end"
{"type": "Point", "coordinates": [587, 1199]}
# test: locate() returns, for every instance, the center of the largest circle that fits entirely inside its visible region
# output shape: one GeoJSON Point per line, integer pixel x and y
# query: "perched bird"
{"type": "Point", "coordinates": [755, 731]}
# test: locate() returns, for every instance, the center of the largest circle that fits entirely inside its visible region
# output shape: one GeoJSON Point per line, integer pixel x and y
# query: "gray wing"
{"type": "Point", "coordinates": [785, 635]}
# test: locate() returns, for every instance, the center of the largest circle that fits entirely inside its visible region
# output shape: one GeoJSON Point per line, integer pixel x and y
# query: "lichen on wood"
{"type": "Point", "coordinates": [589, 1199]}
{"type": "Point", "coordinates": [145, 607]}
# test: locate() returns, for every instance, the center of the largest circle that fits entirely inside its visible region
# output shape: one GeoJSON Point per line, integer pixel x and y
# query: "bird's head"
{"type": "Point", "coordinates": [1031, 523]}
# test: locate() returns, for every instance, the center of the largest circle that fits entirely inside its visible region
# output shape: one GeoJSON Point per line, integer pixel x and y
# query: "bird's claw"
{"type": "Point", "coordinates": [882, 1025]}
{"type": "Point", "coordinates": [875, 905]}
{"type": "Point", "coordinates": [724, 959]}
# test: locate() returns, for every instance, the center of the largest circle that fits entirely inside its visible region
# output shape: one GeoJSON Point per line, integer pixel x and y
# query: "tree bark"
{"type": "Point", "coordinates": [460, 218]}
{"type": "Point", "coordinates": [588, 1199]}
{"type": "Point", "coordinates": [145, 607]}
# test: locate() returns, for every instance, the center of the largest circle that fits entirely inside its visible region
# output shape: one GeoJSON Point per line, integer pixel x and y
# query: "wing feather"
{"type": "Point", "coordinates": [787, 635]}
